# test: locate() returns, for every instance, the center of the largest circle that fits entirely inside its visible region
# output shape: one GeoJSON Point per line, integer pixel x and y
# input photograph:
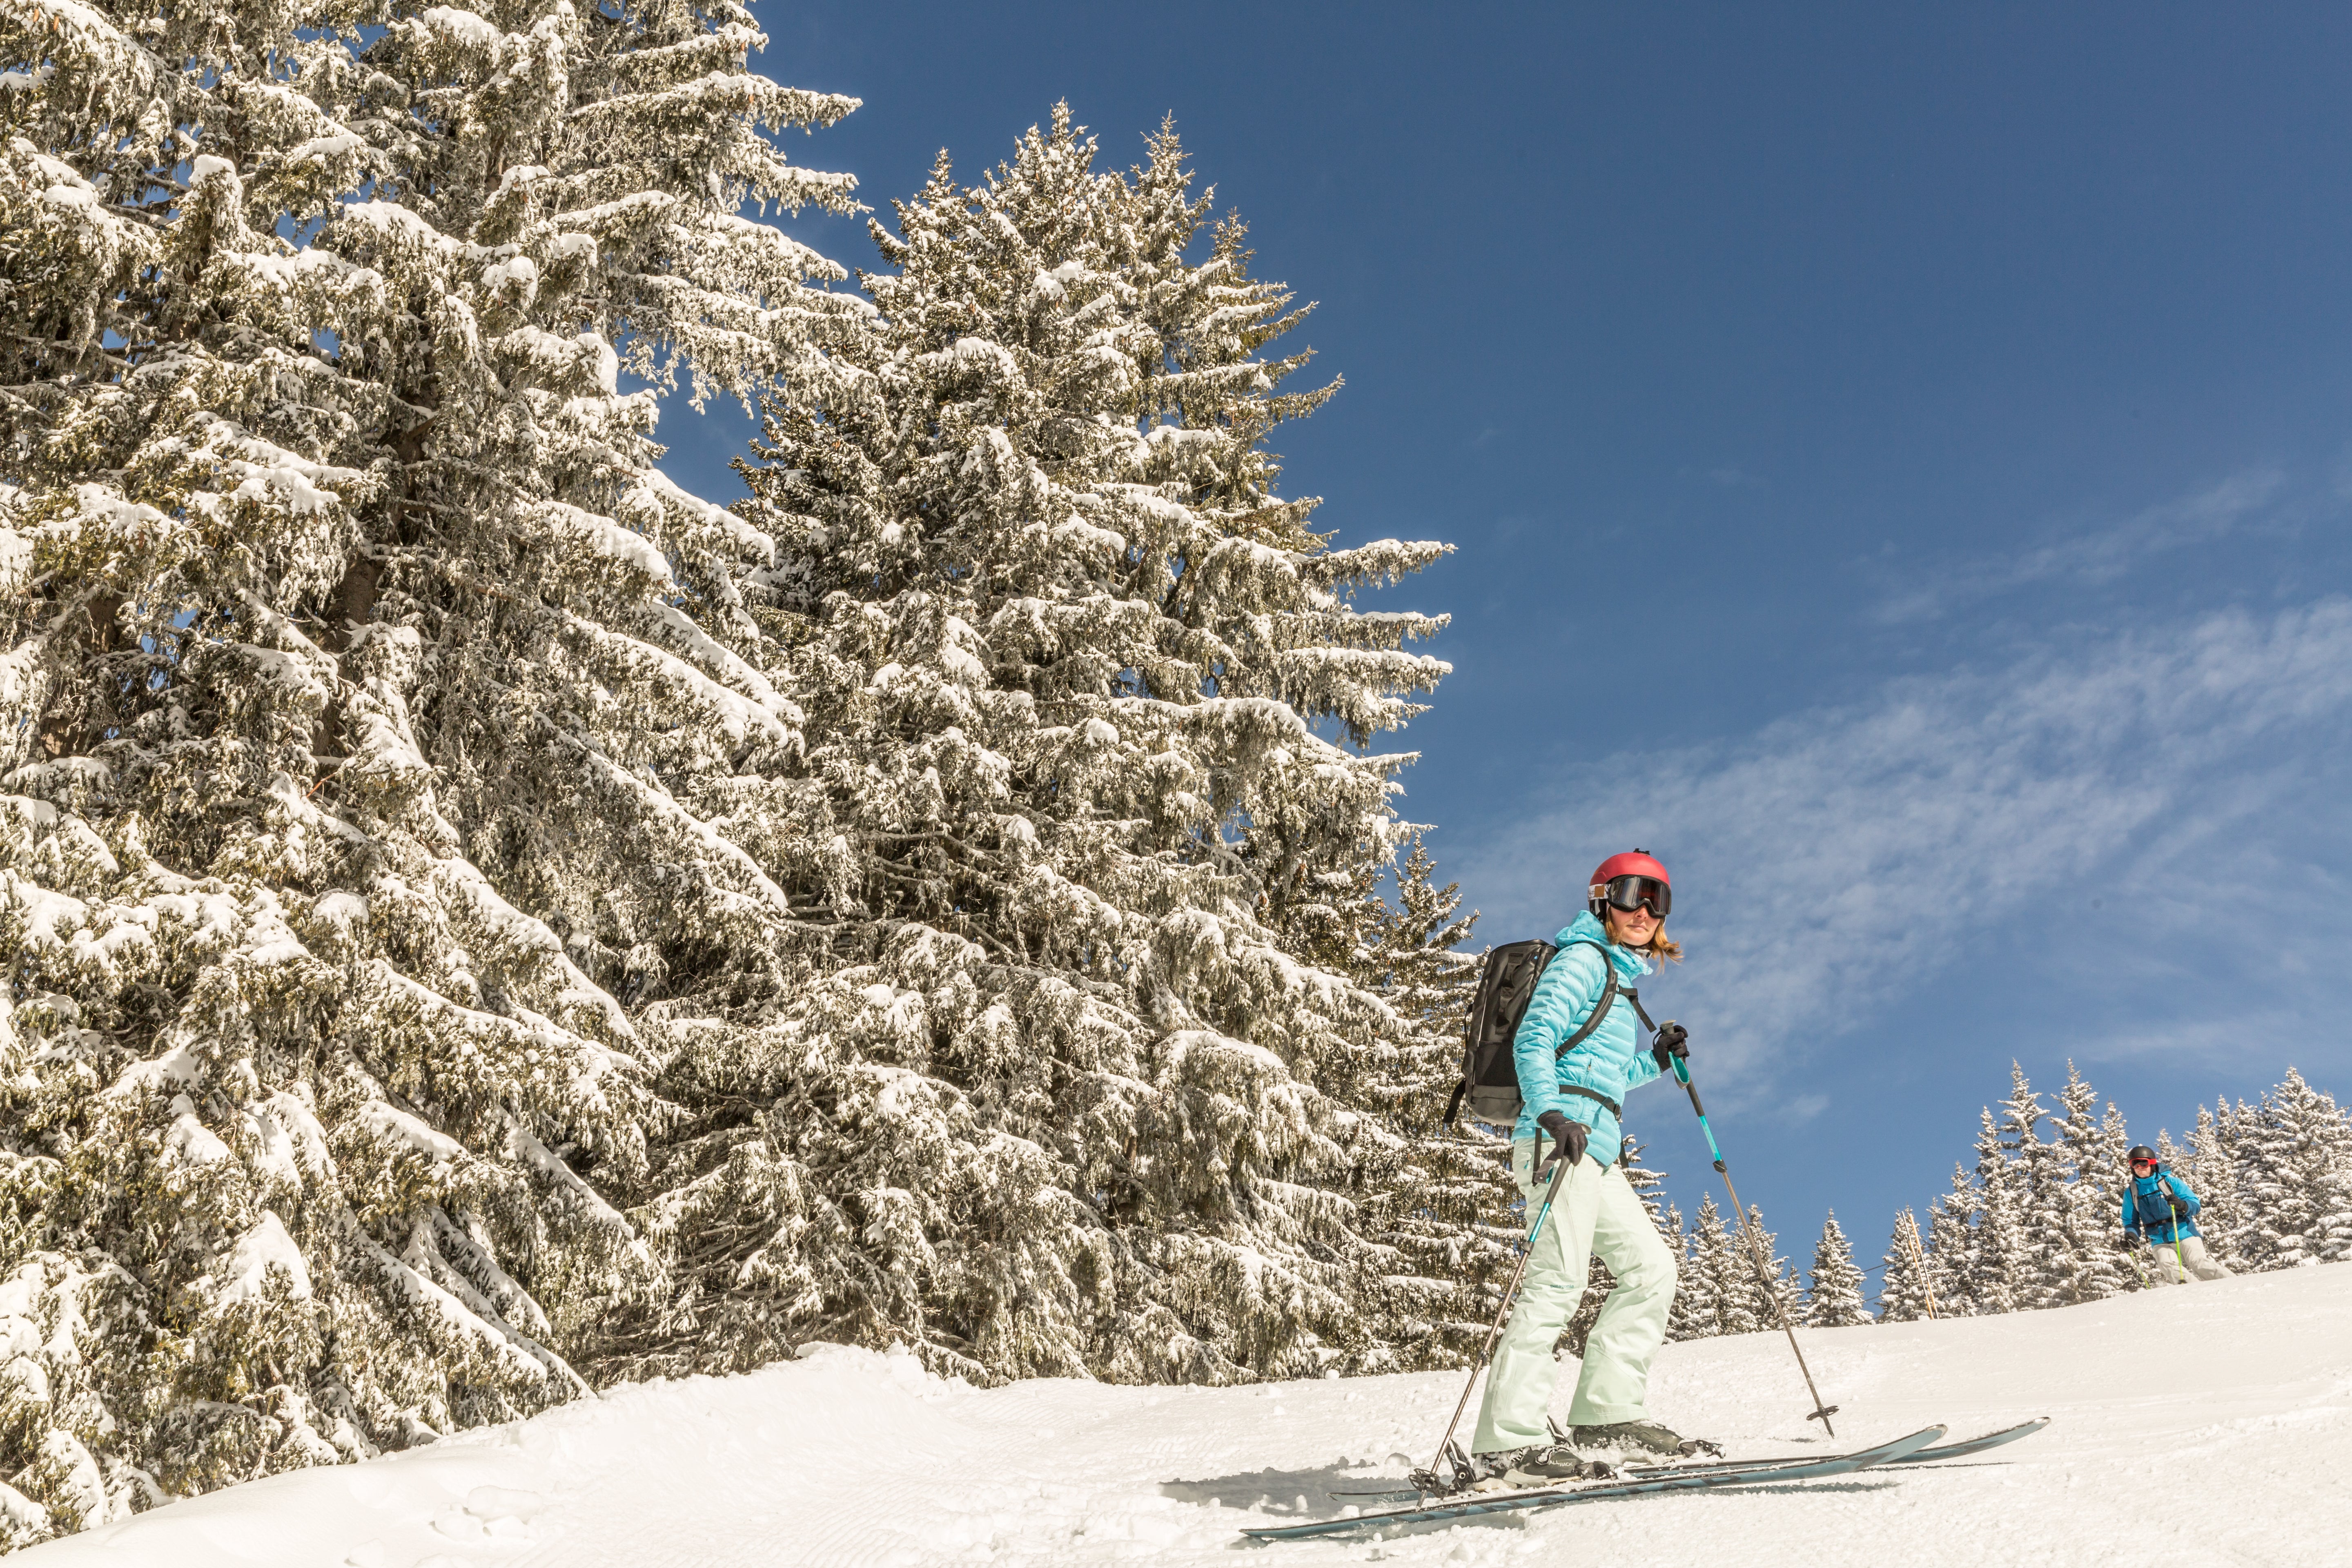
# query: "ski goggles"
{"type": "Point", "coordinates": [2143, 1165]}
{"type": "Point", "coordinates": [1630, 893]}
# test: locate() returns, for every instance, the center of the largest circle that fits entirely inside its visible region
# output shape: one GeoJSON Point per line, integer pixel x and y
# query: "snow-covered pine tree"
{"type": "Point", "coordinates": [2211, 1170]}
{"type": "Point", "coordinates": [2088, 1245]}
{"type": "Point", "coordinates": [1952, 1248]}
{"type": "Point", "coordinates": [1725, 1275]}
{"type": "Point", "coordinates": [1047, 1092]}
{"type": "Point", "coordinates": [1442, 1204]}
{"type": "Point", "coordinates": [1691, 1315]}
{"type": "Point", "coordinates": [2044, 1269]}
{"type": "Point", "coordinates": [2295, 1180]}
{"type": "Point", "coordinates": [1834, 1298]}
{"type": "Point", "coordinates": [1650, 1186]}
{"type": "Point", "coordinates": [1772, 1284]}
{"type": "Point", "coordinates": [1999, 1256]}
{"type": "Point", "coordinates": [1906, 1279]}
{"type": "Point", "coordinates": [1720, 1279]}
{"type": "Point", "coordinates": [357, 665]}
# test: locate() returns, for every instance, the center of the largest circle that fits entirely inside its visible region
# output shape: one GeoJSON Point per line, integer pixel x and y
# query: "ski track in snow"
{"type": "Point", "coordinates": [2209, 1424]}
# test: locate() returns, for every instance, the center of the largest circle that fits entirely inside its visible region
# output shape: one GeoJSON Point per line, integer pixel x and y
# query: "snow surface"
{"type": "Point", "coordinates": [2209, 1424]}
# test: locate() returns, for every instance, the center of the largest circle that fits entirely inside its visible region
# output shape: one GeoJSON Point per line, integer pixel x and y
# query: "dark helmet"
{"type": "Point", "coordinates": [2141, 1151]}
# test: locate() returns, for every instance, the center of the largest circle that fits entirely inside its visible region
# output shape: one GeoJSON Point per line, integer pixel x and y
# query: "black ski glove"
{"type": "Point", "coordinates": [1671, 1040]}
{"type": "Point", "coordinates": [1568, 1138]}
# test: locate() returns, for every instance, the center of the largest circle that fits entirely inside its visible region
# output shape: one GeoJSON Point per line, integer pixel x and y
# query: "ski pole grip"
{"type": "Point", "coordinates": [1558, 1174]}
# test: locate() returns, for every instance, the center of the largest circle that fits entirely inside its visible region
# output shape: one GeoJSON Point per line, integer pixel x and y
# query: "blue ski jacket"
{"type": "Point", "coordinates": [2148, 1212]}
{"type": "Point", "coordinates": [1611, 1061]}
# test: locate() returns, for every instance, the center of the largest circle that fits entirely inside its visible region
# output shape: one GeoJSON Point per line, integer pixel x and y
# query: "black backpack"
{"type": "Point", "coordinates": [1490, 1082]}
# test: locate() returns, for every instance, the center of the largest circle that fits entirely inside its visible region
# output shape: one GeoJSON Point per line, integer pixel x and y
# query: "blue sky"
{"type": "Point", "coordinates": [1900, 460]}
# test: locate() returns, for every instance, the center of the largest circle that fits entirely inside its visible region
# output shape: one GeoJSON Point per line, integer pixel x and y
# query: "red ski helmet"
{"type": "Point", "coordinates": [1634, 863]}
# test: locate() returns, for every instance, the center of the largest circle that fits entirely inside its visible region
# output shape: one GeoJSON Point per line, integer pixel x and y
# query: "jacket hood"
{"type": "Point", "coordinates": [1587, 926]}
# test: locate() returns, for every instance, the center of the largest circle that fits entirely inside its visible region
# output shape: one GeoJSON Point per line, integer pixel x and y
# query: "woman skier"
{"type": "Point", "coordinates": [2160, 1207]}
{"type": "Point", "coordinates": [1570, 1110]}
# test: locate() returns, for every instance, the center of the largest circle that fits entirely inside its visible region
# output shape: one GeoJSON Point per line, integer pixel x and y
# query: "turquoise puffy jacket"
{"type": "Point", "coordinates": [1611, 1061]}
{"type": "Point", "coordinates": [2150, 1201]}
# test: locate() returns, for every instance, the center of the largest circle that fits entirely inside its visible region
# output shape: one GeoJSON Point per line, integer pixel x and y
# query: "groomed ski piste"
{"type": "Point", "coordinates": [2209, 1424]}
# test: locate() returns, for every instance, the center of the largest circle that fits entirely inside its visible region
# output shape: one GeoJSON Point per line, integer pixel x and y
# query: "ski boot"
{"type": "Point", "coordinates": [1507, 1469]}
{"type": "Point", "coordinates": [1549, 1467]}
{"type": "Point", "coordinates": [1642, 1440]}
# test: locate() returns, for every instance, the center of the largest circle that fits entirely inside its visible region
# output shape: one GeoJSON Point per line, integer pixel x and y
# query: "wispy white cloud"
{"type": "Point", "coordinates": [1839, 857]}
{"type": "Point", "coordinates": [2099, 557]}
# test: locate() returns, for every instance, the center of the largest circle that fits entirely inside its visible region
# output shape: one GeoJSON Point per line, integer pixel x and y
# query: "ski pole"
{"type": "Point", "coordinates": [1494, 1330]}
{"type": "Point", "coordinates": [2179, 1253]}
{"type": "Point", "coordinates": [1822, 1413]}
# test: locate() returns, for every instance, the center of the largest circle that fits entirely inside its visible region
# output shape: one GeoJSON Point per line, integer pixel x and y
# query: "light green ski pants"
{"type": "Point", "coordinates": [2191, 1249]}
{"type": "Point", "coordinates": [1596, 1214]}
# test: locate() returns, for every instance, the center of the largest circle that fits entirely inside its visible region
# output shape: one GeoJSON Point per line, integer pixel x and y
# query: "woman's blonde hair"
{"type": "Point", "coordinates": [1658, 946]}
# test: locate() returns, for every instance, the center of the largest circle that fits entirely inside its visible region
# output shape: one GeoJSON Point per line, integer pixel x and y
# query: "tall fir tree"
{"type": "Point", "coordinates": [2044, 1268]}
{"type": "Point", "coordinates": [1650, 1186]}
{"type": "Point", "coordinates": [1998, 1261]}
{"type": "Point", "coordinates": [1906, 1283]}
{"type": "Point", "coordinates": [1048, 1089]}
{"type": "Point", "coordinates": [1689, 1316]}
{"type": "Point", "coordinates": [1833, 1297]}
{"type": "Point", "coordinates": [2211, 1169]}
{"type": "Point", "coordinates": [1952, 1248]}
{"type": "Point", "coordinates": [364, 688]}
{"type": "Point", "coordinates": [1775, 1292]}
{"type": "Point", "coordinates": [1721, 1278]}
{"type": "Point", "coordinates": [1440, 1201]}
{"type": "Point", "coordinates": [2087, 1241]}
{"type": "Point", "coordinates": [2296, 1179]}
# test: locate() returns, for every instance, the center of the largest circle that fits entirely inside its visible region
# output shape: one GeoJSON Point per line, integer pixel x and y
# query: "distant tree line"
{"type": "Point", "coordinates": [2036, 1221]}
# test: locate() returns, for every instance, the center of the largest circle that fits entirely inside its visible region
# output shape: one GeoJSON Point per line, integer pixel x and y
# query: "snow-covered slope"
{"type": "Point", "coordinates": [2204, 1424]}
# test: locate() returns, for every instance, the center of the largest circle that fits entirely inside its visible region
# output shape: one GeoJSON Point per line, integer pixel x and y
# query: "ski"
{"type": "Point", "coordinates": [1472, 1504]}
{"type": "Point", "coordinates": [1973, 1445]}
{"type": "Point", "coordinates": [1926, 1456]}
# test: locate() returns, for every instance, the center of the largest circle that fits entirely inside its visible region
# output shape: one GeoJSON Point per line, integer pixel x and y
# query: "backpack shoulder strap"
{"type": "Point", "coordinates": [1600, 1008]}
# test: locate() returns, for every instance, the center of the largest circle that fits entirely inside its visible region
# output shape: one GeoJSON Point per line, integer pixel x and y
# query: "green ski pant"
{"type": "Point", "coordinates": [1597, 1213]}
{"type": "Point", "coordinates": [2192, 1251]}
